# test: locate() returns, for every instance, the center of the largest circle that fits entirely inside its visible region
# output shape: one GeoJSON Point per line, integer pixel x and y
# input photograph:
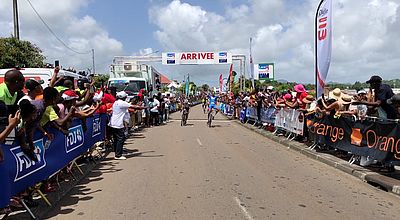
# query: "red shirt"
{"type": "Point", "coordinates": [107, 98]}
{"type": "Point", "coordinates": [300, 97]}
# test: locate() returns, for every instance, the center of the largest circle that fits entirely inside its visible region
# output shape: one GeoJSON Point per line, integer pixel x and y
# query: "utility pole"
{"type": "Point", "coordinates": [16, 22]}
{"type": "Point", "coordinates": [94, 70]}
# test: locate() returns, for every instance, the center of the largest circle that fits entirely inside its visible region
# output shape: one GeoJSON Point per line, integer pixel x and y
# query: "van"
{"type": "Point", "coordinates": [44, 74]}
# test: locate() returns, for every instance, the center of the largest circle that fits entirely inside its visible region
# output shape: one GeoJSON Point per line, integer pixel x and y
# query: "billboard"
{"type": "Point", "coordinates": [264, 71]}
{"type": "Point", "coordinates": [193, 58]}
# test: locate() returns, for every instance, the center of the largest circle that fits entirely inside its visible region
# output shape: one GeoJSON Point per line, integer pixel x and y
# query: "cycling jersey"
{"type": "Point", "coordinates": [213, 102]}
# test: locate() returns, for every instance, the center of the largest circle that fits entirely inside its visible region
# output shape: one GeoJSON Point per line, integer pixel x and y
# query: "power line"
{"type": "Point", "coordinates": [52, 32]}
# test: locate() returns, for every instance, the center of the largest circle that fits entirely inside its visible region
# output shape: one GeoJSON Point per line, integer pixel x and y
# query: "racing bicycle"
{"type": "Point", "coordinates": [210, 116]}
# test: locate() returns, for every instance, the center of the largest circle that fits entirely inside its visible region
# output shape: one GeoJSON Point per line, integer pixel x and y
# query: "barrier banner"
{"type": "Point", "coordinates": [18, 172]}
{"type": "Point", "coordinates": [251, 113]}
{"type": "Point", "coordinates": [228, 110]}
{"type": "Point", "coordinates": [378, 139]}
{"type": "Point", "coordinates": [268, 115]}
{"type": "Point", "coordinates": [290, 120]}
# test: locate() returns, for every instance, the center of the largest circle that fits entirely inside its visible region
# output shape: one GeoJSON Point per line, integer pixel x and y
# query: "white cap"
{"type": "Point", "coordinates": [122, 94]}
{"type": "Point", "coordinates": [270, 88]}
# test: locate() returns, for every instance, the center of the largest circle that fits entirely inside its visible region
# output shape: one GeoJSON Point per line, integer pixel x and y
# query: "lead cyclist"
{"type": "Point", "coordinates": [212, 100]}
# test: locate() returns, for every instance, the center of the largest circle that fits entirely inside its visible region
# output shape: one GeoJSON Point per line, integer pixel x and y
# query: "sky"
{"type": "Point", "coordinates": [366, 34]}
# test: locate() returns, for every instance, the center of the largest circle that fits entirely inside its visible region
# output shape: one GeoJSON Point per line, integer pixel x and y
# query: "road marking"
{"type": "Point", "coordinates": [244, 210]}
{"type": "Point", "coordinates": [198, 141]}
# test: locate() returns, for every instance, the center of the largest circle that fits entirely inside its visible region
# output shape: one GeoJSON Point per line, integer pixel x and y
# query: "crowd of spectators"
{"type": "Point", "coordinates": [26, 108]}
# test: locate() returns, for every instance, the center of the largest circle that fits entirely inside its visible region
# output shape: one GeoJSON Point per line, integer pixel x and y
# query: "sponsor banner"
{"type": "Point", "coordinates": [264, 71]}
{"type": "Point", "coordinates": [192, 58]}
{"type": "Point", "coordinates": [323, 38]}
{"type": "Point", "coordinates": [18, 172]}
{"type": "Point", "coordinates": [290, 120]}
{"type": "Point", "coordinates": [268, 115]}
{"type": "Point", "coordinates": [379, 140]}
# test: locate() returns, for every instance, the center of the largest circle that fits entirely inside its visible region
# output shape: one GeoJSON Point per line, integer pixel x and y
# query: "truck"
{"type": "Point", "coordinates": [131, 77]}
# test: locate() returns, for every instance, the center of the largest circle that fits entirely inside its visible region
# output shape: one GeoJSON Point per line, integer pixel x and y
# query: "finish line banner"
{"type": "Point", "coordinates": [193, 58]}
{"type": "Point", "coordinates": [18, 172]}
{"type": "Point", "coordinates": [379, 140]}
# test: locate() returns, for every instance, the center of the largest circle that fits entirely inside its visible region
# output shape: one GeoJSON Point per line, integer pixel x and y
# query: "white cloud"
{"type": "Point", "coordinates": [366, 34]}
{"type": "Point", "coordinates": [81, 33]}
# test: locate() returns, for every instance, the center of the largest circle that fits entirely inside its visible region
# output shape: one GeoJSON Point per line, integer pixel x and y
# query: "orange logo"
{"type": "Point", "coordinates": [356, 136]}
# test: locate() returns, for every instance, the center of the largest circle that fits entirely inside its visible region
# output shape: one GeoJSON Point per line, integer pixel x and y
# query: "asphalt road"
{"type": "Point", "coordinates": [224, 172]}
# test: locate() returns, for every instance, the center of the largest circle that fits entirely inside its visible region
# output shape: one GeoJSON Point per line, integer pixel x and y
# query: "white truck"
{"type": "Point", "coordinates": [131, 77]}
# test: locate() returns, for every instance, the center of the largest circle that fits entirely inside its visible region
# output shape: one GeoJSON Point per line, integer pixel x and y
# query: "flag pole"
{"type": "Point", "coordinates": [316, 48]}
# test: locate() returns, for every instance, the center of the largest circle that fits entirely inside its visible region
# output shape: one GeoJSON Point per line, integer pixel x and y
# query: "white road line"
{"type": "Point", "coordinates": [198, 141]}
{"type": "Point", "coordinates": [244, 210]}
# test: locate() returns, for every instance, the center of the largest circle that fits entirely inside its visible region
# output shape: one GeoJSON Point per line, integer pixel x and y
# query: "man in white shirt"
{"type": "Point", "coordinates": [154, 107]}
{"type": "Point", "coordinates": [120, 113]}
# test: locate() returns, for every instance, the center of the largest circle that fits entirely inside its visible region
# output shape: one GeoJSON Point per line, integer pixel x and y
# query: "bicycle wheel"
{"type": "Point", "coordinates": [209, 119]}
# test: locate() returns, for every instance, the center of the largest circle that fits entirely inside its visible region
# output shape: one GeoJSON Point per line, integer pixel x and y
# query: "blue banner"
{"type": "Point", "coordinates": [18, 172]}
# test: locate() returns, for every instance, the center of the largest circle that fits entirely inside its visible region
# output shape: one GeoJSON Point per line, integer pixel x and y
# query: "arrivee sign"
{"type": "Point", "coordinates": [190, 58]}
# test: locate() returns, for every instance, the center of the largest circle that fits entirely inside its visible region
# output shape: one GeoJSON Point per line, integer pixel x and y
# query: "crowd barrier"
{"type": "Point", "coordinates": [18, 172]}
{"type": "Point", "coordinates": [268, 115]}
{"type": "Point", "coordinates": [373, 138]}
{"type": "Point", "coordinates": [290, 120]}
{"type": "Point", "coordinates": [378, 139]}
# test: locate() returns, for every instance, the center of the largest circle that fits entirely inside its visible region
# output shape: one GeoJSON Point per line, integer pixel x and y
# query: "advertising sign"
{"type": "Point", "coordinates": [192, 58]}
{"type": "Point", "coordinates": [264, 71]}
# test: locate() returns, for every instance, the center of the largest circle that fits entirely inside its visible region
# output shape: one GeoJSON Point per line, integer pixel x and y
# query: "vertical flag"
{"type": "Point", "coordinates": [187, 86]}
{"type": "Point", "coordinates": [323, 43]}
{"type": "Point", "coordinates": [220, 83]}
{"type": "Point", "coordinates": [230, 80]}
{"type": "Point", "coordinates": [251, 64]}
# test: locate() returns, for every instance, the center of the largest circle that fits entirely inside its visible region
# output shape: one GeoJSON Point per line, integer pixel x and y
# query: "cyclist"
{"type": "Point", "coordinates": [204, 104]}
{"type": "Point", "coordinates": [212, 100]}
{"type": "Point", "coordinates": [185, 109]}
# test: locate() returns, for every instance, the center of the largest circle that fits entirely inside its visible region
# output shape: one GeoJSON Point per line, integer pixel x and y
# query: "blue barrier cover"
{"type": "Point", "coordinates": [18, 172]}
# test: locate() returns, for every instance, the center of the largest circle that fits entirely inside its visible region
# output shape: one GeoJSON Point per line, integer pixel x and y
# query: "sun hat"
{"type": "Point", "coordinates": [336, 94]}
{"type": "Point", "coordinates": [69, 95]}
{"type": "Point", "coordinates": [308, 99]}
{"type": "Point", "coordinates": [287, 97]}
{"type": "Point", "coordinates": [270, 88]}
{"type": "Point", "coordinates": [346, 100]}
{"type": "Point", "coordinates": [299, 88]}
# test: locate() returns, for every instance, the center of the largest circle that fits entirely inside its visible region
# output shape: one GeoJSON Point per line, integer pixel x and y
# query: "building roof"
{"type": "Point", "coordinates": [165, 80]}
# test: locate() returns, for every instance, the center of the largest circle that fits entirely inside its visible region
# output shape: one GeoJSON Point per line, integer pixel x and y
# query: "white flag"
{"type": "Point", "coordinates": [323, 43]}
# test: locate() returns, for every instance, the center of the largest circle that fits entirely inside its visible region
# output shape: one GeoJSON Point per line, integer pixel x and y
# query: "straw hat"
{"type": "Point", "coordinates": [338, 95]}
{"type": "Point", "coordinates": [308, 99]}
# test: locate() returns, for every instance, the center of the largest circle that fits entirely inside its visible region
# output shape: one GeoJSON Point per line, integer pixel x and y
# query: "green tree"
{"type": "Point", "coordinates": [17, 53]}
{"type": "Point", "coordinates": [99, 79]}
{"type": "Point", "coordinates": [205, 87]}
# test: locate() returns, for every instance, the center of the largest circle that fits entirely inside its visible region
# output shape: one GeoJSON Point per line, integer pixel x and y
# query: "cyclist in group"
{"type": "Point", "coordinates": [204, 106]}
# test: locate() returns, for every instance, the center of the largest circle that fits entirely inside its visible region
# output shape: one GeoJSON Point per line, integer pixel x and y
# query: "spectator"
{"type": "Point", "coordinates": [46, 110]}
{"type": "Point", "coordinates": [383, 93]}
{"type": "Point", "coordinates": [26, 128]}
{"type": "Point", "coordinates": [120, 112]}
{"type": "Point", "coordinates": [154, 106]}
{"type": "Point", "coordinates": [301, 94]}
{"type": "Point", "coordinates": [14, 83]}
{"type": "Point", "coordinates": [34, 89]}
{"type": "Point", "coordinates": [12, 123]}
